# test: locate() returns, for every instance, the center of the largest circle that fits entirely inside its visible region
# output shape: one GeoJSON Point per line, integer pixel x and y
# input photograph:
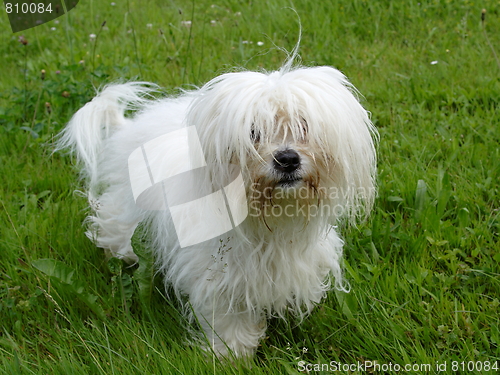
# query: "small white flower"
{"type": "Point", "coordinates": [186, 23]}
{"type": "Point", "coordinates": [237, 14]}
{"type": "Point", "coordinates": [213, 22]}
{"type": "Point", "coordinates": [92, 37]}
{"type": "Point", "coordinates": [56, 22]}
{"type": "Point", "coordinates": [260, 44]}
{"type": "Point", "coordinates": [53, 28]}
{"type": "Point", "coordinates": [434, 62]}
{"type": "Point", "coordinates": [149, 25]}
{"type": "Point", "coordinates": [113, 4]}
{"type": "Point", "coordinates": [244, 42]}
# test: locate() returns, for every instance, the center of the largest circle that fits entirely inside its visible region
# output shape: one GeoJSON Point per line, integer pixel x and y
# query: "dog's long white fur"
{"type": "Point", "coordinates": [270, 264]}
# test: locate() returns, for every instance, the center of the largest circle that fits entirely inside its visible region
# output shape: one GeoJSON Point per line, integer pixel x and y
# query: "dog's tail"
{"type": "Point", "coordinates": [98, 119]}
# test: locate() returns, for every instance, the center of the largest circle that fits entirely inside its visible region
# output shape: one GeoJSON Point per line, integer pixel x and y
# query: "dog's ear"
{"type": "Point", "coordinates": [339, 129]}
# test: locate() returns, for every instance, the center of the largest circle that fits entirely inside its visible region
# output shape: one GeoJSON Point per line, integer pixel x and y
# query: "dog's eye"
{"type": "Point", "coordinates": [255, 136]}
{"type": "Point", "coordinates": [304, 125]}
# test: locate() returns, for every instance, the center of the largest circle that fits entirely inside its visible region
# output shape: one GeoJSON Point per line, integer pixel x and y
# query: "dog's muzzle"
{"type": "Point", "coordinates": [287, 164]}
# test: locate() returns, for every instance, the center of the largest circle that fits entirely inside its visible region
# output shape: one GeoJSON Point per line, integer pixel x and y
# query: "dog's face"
{"type": "Point", "coordinates": [284, 158]}
{"type": "Point", "coordinates": [298, 137]}
{"type": "Point", "coordinates": [287, 168]}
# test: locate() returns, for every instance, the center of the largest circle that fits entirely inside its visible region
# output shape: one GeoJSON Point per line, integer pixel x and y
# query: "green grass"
{"type": "Point", "coordinates": [424, 269]}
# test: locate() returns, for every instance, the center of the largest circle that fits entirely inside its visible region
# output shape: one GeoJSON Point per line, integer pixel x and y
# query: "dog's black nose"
{"type": "Point", "coordinates": [286, 161]}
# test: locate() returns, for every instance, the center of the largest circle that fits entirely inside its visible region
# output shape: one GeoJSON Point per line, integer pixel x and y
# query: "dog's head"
{"type": "Point", "coordinates": [299, 136]}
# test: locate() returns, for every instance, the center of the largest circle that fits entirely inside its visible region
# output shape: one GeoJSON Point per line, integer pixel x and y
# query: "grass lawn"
{"type": "Point", "coordinates": [424, 269]}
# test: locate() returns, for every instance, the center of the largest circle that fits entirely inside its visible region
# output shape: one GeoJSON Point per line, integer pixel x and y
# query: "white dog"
{"type": "Point", "coordinates": [302, 149]}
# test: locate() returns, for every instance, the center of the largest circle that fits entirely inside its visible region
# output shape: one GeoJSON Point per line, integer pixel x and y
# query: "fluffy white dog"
{"type": "Point", "coordinates": [302, 149]}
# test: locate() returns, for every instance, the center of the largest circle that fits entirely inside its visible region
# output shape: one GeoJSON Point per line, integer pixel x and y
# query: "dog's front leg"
{"type": "Point", "coordinates": [233, 332]}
